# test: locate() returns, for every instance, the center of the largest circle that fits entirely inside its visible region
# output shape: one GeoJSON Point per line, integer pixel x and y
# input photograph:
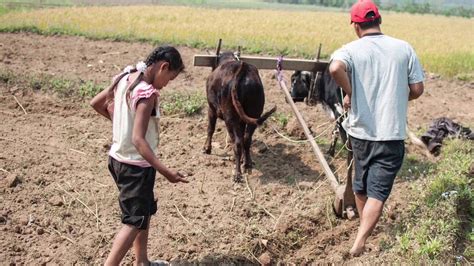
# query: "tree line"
{"type": "Point", "coordinates": [410, 6]}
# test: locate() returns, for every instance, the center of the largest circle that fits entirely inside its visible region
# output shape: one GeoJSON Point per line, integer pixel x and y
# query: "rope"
{"type": "Point", "coordinates": [279, 68]}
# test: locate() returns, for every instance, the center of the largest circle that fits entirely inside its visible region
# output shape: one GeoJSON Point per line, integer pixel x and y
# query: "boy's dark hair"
{"type": "Point", "coordinates": [370, 24]}
{"type": "Point", "coordinates": [168, 54]}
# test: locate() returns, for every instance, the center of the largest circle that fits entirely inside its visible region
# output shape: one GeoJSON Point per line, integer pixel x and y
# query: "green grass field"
{"type": "Point", "coordinates": [444, 44]}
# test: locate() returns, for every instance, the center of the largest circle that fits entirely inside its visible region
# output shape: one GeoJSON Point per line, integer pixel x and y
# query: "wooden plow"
{"type": "Point", "coordinates": [344, 203]}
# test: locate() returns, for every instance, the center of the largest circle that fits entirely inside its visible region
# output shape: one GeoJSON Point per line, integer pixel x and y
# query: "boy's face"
{"type": "Point", "coordinates": [163, 75]}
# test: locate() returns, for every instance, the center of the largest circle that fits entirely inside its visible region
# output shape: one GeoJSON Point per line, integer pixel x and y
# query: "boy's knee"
{"type": "Point", "coordinates": [139, 222]}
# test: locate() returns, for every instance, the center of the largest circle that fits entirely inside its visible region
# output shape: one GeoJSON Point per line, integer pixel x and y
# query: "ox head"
{"type": "Point", "coordinates": [300, 84]}
{"type": "Point", "coordinates": [325, 91]}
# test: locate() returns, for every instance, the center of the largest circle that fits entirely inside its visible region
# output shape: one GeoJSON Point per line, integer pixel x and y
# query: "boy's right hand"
{"type": "Point", "coordinates": [176, 177]}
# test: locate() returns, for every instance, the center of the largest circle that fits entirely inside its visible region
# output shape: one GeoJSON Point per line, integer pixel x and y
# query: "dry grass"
{"type": "Point", "coordinates": [445, 44]}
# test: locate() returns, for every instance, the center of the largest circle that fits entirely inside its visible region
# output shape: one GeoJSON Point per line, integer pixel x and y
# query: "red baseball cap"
{"type": "Point", "coordinates": [361, 8]}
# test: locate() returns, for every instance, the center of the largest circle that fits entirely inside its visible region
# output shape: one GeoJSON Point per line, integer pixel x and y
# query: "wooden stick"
{"type": "Point", "coordinates": [255, 258]}
{"type": "Point", "coordinates": [18, 102]}
{"type": "Point", "coordinates": [59, 233]}
{"type": "Point", "coordinates": [191, 224]}
{"type": "Point", "coordinates": [100, 184]}
{"type": "Point", "coordinates": [266, 211]}
{"type": "Point", "coordinates": [3, 170]}
{"type": "Point", "coordinates": [233, 203]}
{"type": "Point", "coordinates": [332, 179]}
{"type": "Point", "coordinates": [83, 153]}
{"type": "Point", "coordinates": [268, 148]}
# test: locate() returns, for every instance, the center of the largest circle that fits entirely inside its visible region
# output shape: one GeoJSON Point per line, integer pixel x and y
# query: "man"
{"type": "Point", "coordinates": [379, 75]}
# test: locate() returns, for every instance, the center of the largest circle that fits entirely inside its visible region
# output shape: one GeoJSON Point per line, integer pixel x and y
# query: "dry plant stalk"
{"type": "Point", "coordinates": [18, 102]}
{"type": "Point", "coordinates": [191, 224]}
{"type": "Point", "coordinates": [3, 170]}
{"type": "Point", "coordinates": [83, 153]}
{"type": "Point", "coordinates": [249, 188]}
{"type": "Point", "coordinates": [80, 201]}
{"type": "Point", "coordinates": [233, 203]}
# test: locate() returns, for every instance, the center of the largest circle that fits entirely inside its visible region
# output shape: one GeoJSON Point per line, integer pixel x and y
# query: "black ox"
{"type": "Point", "coordinates": [324, 91]}
{"type": "Point", "coordinates": [235, 94]}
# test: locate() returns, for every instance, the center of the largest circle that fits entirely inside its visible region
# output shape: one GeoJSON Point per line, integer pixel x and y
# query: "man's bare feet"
{"type": "Point", "coordinates": [356, 251]}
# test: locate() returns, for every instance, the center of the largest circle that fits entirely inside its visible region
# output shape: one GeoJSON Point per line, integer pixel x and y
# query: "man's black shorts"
{"type": "Point", "coordinates": [376, 166]}
{"type": "Point", "coordinates": [136, 198]}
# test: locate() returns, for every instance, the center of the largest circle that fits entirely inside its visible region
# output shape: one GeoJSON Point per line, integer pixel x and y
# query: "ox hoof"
{"type": "Point", "coordinates": [331, 152]}
{"type": "Point", "coordinates": [206, 151]}
{"type": "Point", "coordinates": [248, 170]}
{"type": "Point", "coordinates": [237, 178]}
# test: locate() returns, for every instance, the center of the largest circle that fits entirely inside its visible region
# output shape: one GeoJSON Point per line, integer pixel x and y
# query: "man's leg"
{"type": "Point", "coordinates": [122, 243]}
{"type": "Point", "coordinates": [360, 200]}
{"type": "Point", "coordinates": [370, 215]}
{"type": "Point", "coordinates": [140, 246]}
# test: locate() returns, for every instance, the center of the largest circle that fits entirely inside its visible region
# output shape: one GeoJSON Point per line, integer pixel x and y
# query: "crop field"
{"type": "Point", "coordinates": [58, 202]}
{"type": "Point", "coordinates": [444, 44]}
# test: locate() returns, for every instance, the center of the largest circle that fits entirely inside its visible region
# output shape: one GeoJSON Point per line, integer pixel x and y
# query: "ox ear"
{"type": "Point", "coordinates": [296, 73]}
{"type": "Point", "coordinates": [307, 78]}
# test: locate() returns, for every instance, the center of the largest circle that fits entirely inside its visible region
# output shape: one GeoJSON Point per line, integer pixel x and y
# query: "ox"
{"type": "Point", "coordinates": [235, 94]}
{"type": "Point", "coordinates": [326, 92]}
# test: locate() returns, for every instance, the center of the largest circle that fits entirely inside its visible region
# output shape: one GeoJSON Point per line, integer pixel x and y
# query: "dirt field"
{"type": "Point", "coordinates": [58, 203]}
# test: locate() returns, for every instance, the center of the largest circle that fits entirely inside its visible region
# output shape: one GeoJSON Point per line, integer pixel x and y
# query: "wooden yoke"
{"type": "Point", "coordinates": [267, 63]}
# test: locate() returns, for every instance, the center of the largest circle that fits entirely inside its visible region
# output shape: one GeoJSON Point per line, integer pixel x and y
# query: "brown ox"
{"type": "Point", "coordinates": [235, 94]}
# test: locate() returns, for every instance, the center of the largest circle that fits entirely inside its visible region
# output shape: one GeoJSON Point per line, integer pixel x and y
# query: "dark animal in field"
{"type": "Point", "coordinates": [235, 94]}
{"type": "Point", "coordinates": [326, 92]}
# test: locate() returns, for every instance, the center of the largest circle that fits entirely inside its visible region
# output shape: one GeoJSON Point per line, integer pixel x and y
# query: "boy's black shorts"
{"type": "Point", "coordinates": [376, 166]}
{"type": "Point", "coordinates": [136, 197]}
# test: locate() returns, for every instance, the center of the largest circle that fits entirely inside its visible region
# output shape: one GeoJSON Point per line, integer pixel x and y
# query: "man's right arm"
{"type": "Point", "coordinates": [416, 90]}
{"type": "Point", "coordinates": [338, 71]}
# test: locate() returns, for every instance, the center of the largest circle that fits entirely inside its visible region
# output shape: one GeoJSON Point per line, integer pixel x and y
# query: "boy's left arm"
{"type": "Point", "coordinates": [99, 103]}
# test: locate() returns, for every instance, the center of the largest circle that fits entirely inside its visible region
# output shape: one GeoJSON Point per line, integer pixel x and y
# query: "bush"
{"type": "Point", "coordinates": [182, 103]}
{"type": "Point", "coordinates": [438, 227]}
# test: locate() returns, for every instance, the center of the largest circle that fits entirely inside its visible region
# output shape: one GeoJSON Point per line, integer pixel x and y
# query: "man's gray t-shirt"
{"type": "Point", "coordinates": [380, 67]}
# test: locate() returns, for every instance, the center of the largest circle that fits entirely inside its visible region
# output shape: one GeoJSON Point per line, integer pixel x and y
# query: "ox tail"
{"type": "Point", "coordinates": [238, 106]}
{"type": "Point", "coordinates": [266, 115]}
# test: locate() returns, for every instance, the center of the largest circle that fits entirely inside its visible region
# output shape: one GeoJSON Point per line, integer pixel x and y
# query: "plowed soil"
{"type": "Point", "coordinates": [58, 203]}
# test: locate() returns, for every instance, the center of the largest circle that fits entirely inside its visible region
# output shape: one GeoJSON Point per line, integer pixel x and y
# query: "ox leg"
{"type": "Point", "coordinates": [335, 134]}
{"type": "Point", "coordinates": [236, 134]}
{"type": "Point", "coordinates": [248, 164]}
{"type": "Point", "coordinates": [211, 126]}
